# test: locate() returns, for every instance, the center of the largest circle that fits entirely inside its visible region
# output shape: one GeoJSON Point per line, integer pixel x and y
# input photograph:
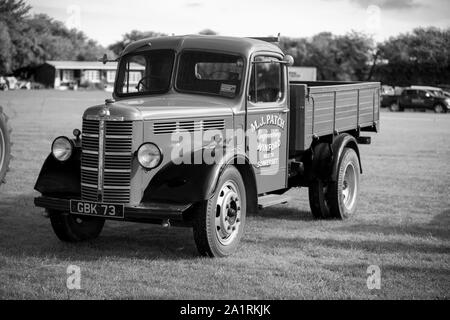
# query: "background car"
{"type": "Point", "coordinates": [418, 98]}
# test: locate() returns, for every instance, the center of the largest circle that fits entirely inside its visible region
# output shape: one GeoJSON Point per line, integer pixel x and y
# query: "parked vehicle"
{"type": "Point", "coordinates": [416, 98]}
{"type": "Point", "coordinates": [3, 84]}
{"type": "Point", "coordinates": [210, 131]}
{"type": "Point", "coordinates": [5, 145]}
{"type": "Point", "coordinates": [11, 83]}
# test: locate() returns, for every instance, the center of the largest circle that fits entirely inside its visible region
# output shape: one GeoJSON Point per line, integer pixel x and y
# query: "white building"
{"type": "Point", "coordinates": [57, 74]}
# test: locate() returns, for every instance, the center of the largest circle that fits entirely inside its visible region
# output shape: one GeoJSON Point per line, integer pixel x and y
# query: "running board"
{"type": "Point", "coordinates": [272, 200]}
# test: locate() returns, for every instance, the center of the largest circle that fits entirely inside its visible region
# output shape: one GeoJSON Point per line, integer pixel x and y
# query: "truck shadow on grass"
{"type": "Point", "coordinates": [438, 227]}
{"type": "Point", "coordinates": [367, 246]}
{"type": "Point", "coordinates": [283, 213]}
{"type": "Point", "coordinates": [370, 238]}
{"type": "Point", "coordinates": [24, 232]}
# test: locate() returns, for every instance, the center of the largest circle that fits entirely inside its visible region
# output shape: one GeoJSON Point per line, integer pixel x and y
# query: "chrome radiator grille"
{"type": "Point", "coordinates": [106, 161]}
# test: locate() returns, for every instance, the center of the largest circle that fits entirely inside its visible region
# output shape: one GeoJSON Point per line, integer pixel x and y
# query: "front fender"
{"type": "Point", "coordinates": [187, 182]}
{"type": "Point", "coordinates": [60, 179]}
{"type": "Point", "coordinates": [184, 183]}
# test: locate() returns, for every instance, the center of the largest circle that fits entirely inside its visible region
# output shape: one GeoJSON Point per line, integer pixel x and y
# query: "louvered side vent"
{"type": "Point", "coordinates": [117, 161]}
{"type": "Point", "coordinates": [217, 124]}
{"type": "Point", "coordinates": [189, 126]}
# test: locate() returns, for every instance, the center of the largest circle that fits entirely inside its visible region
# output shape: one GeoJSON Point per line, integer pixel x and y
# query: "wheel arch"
{"type": "Point", "coordinates": [193, 183]}
{"type": "Point", "coordinates": [242, 164]}
{"type": "Point", "coordinates": [343, 141]}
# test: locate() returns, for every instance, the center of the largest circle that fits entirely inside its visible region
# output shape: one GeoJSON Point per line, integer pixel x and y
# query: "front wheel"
{"type": "Point", "coordinates": [219, 222]}
{"type": "Point", "coordinates": [439, 108]}
{"type": "Point", "coordinates": [71, 228]}
{"type": "Point", "coordinates": [395, 107]}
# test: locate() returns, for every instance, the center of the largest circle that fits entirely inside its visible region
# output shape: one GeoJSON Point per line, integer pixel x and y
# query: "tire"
{"type": "Point", "coordinates": [395, 107]}
{"type": "Point", "coordinates": [5, 146]}
{"type": "Point", "coordinates": [70, 228]}
{"type": "Point", "coordinates": [218, 223]}
{"type": "Point", "coordinates": [439, 108]}
{"type": "Point", "coordinates": [317, 193]}
{"type": "Point", "coordinates": [317, 189]}
{"type": "Point", "coordinates": [342, 194]}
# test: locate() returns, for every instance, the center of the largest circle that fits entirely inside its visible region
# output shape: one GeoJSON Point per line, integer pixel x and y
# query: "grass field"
{"type": "Point", "coordinates": [402, 225]}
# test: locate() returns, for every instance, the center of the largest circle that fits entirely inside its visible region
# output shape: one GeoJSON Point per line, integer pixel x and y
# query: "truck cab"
{"type": "Point", "coordinates": [207, 130]}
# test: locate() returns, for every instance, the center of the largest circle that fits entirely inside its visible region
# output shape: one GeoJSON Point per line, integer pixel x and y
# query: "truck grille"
{"type": "Point", "coordinates": [113, 186]}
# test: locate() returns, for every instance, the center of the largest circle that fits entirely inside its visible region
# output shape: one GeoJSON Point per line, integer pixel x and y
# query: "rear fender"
{"type": "Point", "coordinates": [339, 144]}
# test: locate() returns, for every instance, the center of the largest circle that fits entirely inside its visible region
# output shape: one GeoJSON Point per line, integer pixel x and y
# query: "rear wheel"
{"type": "Point", "coordinates": [5, 145]}
{"type": "Point", "coordinates": [71, 228]}
{"type": "Point", "coordinates": [337, 198]}
{"type": "Point", "coordinates": [219, 222]}
{"type": "Point", "coordinates": [318, 201]}
{"type": "Point", "coordinates": [343, 193]}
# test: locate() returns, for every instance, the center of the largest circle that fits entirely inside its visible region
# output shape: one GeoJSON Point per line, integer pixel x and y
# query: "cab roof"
{"type": "Point", "coordinates": [243, 46]}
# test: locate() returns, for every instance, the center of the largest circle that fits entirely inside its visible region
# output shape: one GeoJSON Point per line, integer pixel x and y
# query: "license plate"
{"type": "Point", "coordinates": [106, 210]}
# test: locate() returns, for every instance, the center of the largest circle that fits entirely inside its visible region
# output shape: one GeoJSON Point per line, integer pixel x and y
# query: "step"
{"type": "Point", "coordinates": [272, 200]}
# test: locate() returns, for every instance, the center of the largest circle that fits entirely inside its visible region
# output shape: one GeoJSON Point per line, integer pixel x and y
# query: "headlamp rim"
{"type": "Point", "coordinates": [161, 156]}
{"type": "Point", "coordinates": [71, 151]}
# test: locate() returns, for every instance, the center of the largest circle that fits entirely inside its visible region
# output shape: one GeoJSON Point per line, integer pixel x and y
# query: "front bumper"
{"type": "Point", "coordinates": [154, 212]}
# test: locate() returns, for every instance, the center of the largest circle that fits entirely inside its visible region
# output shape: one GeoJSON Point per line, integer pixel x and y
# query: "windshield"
{"type": "Point", "coordinates": [210, 73]}
{"type": "Point", "coordinates": [145, 73]}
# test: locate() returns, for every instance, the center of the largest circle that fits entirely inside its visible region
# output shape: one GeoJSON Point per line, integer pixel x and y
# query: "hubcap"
{"type": "Point", "coordinates": [394, 107]}
{"type": "Point", "coordinates": [228, 213]}
{"type": "Point", "coordinates": [439, 109]}
{"type": "Point", "coordinates": [349, 187]}
{"type": "Point", "coordinates": [2, 149]}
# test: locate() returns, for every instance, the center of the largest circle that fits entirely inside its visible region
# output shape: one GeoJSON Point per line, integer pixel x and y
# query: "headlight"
{"type": "Point", "coordinates": [149, 155]}
{"type": "Point", "coordinates": [448, 101]}
{"type": "Point", "coordinates": [62, 148]}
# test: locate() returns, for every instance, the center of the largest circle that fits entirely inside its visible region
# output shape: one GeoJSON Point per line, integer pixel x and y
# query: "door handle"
{"type": "Point", "coordinates": [284, 111]}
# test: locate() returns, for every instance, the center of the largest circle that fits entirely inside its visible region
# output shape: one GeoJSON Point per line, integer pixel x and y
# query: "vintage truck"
{"type": "Point", "coordinates": [210, 131]}
{"type": "Point", "coordinates": [5, 145]}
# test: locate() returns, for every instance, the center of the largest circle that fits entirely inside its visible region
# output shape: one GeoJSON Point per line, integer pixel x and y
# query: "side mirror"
{"type": "Point", "coordinates": [288, 60]}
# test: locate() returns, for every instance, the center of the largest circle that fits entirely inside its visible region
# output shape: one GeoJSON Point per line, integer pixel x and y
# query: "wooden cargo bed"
{"type": "Point", "coordinates": [323, 108]}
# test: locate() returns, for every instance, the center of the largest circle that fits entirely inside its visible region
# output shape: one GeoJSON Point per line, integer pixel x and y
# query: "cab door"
{"type": "Point", "coordinates": [267, 122]}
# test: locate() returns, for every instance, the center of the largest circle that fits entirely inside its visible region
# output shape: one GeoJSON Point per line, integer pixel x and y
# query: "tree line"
{"type": "Point", "coordinates": [28, 41]}
{"type": "Point", "coordinates": [419, 57]}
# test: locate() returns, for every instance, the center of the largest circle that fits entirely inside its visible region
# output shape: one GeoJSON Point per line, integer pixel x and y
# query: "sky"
{"type": "Point", "coordinates": [107, 20]}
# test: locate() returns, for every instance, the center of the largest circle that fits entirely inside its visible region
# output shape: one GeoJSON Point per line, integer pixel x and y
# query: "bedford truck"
{"type": "Point", "coordinates": [210, 130]}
